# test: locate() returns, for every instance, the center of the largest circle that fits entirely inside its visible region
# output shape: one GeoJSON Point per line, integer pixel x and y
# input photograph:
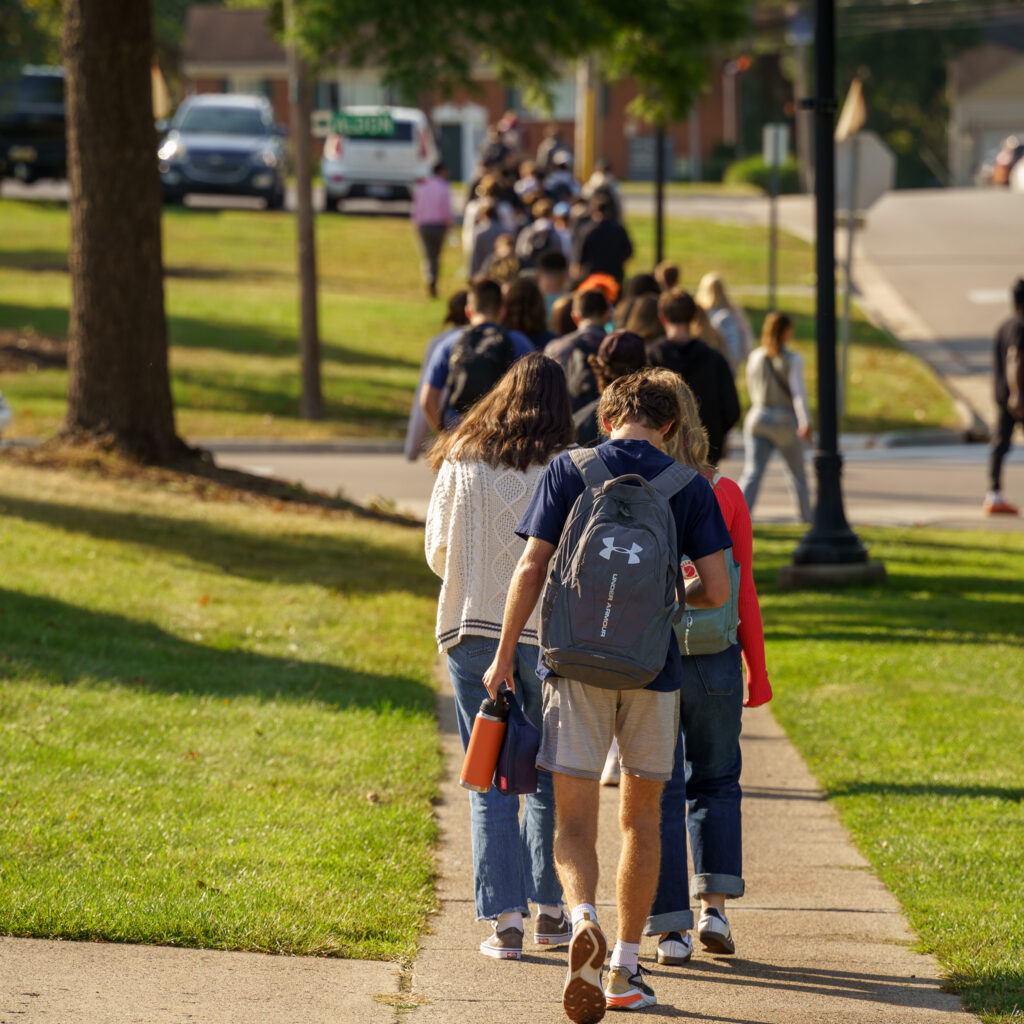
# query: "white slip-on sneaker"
{"type": "Point", "coordinates": [675, 949]}
{"type": "Point", "coordinates": [714, 933]}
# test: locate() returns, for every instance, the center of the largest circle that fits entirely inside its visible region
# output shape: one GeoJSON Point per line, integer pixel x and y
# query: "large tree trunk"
{"type": "Point", "coordinates": [118, 386]}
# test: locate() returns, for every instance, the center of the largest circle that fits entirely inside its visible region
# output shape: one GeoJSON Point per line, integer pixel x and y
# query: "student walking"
{"type": "Point", "coordinates": [729, 320]}
{"type": "Point", "coordinates": [701, 367]}
{"type": "Point", "coordinates": [703, 796]}
{"type": "Point", "coordinates": [487, 470]}
{"type": "Point", "coordinates": [1009, 394]}
{"type": "Point", "coordinates": [580, 719]}
{"type": "Point", "coordinates": [432, 215]}
{"type": "Point", "coordinates": [778, 419]}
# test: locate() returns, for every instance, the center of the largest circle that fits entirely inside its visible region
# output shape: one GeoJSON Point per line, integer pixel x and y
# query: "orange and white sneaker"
{"type": "Point", "coordinates": [999, 507]}
{"type": "Point", "coordinates": [626, 991]}
{"type": "Point", "coordinates": [583, 999]}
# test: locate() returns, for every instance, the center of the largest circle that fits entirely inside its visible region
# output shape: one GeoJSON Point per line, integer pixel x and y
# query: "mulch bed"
{"type": "Point", "coordinates": [28, 351]}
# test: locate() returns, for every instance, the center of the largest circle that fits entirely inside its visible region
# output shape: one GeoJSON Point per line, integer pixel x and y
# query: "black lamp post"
{"type": "Point", "coordinates": [830, 552]}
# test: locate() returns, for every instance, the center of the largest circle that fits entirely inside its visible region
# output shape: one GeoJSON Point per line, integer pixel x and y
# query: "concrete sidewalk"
{"type": "Point", "coordinates": [819, 938]}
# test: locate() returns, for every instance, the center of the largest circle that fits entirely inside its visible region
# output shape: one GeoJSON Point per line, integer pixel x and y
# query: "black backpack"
{"type": "Point", "coordinates": [542, 241]}
{"type": "Point", "coordinates": [479, 358]}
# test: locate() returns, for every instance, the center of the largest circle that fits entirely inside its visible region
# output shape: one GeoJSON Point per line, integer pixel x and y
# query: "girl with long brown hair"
{"type": "Point", "coordinates": [487, 470]}
{"type": "Point", "coordinates": [778, 419]}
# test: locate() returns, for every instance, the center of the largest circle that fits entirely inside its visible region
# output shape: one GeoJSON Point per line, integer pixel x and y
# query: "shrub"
{"type": "Point", "coordinates": [754, 171]}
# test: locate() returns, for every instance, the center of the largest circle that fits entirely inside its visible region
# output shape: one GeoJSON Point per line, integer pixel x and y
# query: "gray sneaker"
{"type": "Point", "coordinates": [553, 931]}
{"type": "Point", "coordinates": [504, 945]}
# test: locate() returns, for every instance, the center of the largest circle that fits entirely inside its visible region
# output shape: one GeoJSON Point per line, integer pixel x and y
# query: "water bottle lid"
{"type": "Point", "coordinates": [495, 708]}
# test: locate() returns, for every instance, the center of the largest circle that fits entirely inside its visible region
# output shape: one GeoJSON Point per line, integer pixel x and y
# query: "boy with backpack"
{"type": "Point", "coordinates": [466, 366]}
{"type": "Point", "coordinates": [615, 520]}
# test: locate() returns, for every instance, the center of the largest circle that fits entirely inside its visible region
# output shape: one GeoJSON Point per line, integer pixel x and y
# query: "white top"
{"type": "Point", "coordinates": [761, 386]}
{"type": "Point", "coordinates": [471, 544]}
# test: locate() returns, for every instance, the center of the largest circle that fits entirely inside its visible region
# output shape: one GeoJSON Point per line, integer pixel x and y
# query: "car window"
{"type": "Point", "coordinates": [223, 121]}
{"type": "Point", "coordinates": [41, 89]}
{"type": "Point", "coordinates": [403, 133]}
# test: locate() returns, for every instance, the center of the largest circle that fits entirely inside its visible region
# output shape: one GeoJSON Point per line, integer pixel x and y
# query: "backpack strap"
{"type": "Point", "coordinates": [672, 480]}
{"type": "Point", "coordinates": [590, 466]}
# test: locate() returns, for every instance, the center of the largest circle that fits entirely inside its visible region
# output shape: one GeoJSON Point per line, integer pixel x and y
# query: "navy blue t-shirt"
{"type": "Point", "coordinates": [700, 529]}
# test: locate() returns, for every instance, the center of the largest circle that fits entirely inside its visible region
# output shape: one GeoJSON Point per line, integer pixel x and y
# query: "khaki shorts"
{"type": "Point", "coordinates": [580, 721]}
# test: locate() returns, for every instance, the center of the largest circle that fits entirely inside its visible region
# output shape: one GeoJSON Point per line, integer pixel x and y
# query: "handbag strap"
{"type": "Point", "coordinates": [779, 379]}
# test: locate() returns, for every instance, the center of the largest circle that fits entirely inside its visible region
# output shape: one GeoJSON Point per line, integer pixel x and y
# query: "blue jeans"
{"type": "Point", "coordinates": [703, 796]}
{"type": "Point", "coordinates": [767, 429]}
{"type": "Point", "coordinates": [513, 856]}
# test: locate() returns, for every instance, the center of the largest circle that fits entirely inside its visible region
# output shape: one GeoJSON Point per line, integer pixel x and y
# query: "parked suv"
{"type": "Point", "coordinates": [32, 143]}
{"type": "Point", "coordinates": [379, 152]}
{"type": "Point", "coordinates": [223, 144]}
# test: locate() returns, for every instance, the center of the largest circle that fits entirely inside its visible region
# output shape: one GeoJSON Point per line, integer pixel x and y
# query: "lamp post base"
{"type": "Point", "coordinates": [826, 577]}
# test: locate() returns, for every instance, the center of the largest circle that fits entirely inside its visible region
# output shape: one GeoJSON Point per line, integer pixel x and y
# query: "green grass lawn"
{"type": "Point", "coordinates": [232, 310]}
{"type": "Point", "coordinates": [217, 722]}
{"type": "Point", "coordinates": [908, 703]}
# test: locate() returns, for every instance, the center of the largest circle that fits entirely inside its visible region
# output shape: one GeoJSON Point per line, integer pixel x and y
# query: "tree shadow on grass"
{"type": "Point", "coordinates": [195, 333]}
{"type": "Point", "coordinates": [1014, 794]}
{"type": "Point", "coordinates": [67, 644]}
{"type": "Point", "coordinates": [351, 565]}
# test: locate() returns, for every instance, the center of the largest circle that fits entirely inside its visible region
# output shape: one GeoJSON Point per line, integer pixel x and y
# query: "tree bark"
{"type": "Point", "coordinates": [119, 384]}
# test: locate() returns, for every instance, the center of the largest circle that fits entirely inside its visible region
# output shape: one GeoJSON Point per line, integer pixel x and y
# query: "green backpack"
{"type": "Point", "coordinates": [710, 630]}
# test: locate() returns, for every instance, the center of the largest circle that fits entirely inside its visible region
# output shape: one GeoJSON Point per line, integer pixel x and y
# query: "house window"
{"type": "Point", "coordinates": [362, 92]}
{"type": "Point", "coordinates": [327, 96]}
{"type": "Point", "coordinates": [250, 85]}
{"type": "Point", "coordinates": [563, 103]}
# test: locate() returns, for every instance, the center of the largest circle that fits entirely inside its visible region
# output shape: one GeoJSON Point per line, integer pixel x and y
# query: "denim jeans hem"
{"type": "Point", "coordinates": [525, 911]}
{"type": "Point", "coordinates": [677, 921]}
{"type": "Point", "coordinates": [730, 886]}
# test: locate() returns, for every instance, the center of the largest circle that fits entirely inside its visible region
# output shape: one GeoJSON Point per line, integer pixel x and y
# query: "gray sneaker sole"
{"type": "Point", "coordinates": [715, 943]}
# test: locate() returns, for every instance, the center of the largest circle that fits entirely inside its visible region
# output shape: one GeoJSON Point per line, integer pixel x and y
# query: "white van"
{"type": "Point", "coordinates": [379, 152]}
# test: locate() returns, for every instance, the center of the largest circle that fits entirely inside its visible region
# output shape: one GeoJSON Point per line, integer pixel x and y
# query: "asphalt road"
{"type": "Point", "coordinates": [929, 485]}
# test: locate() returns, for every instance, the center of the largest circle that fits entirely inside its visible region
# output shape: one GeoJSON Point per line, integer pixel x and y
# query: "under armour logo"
{"type": "Point", "coordinates": [609, 547]}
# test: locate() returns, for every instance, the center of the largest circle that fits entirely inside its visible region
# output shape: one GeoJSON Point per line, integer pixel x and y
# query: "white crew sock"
{"type": "Point", "coordinates": [513, 919]}
{"type": "Point", "coordinates": [551, 909]}
{"type": "Point", "coordinates": [626, 954]}
{"type": "Point", "coordinates": [583, 908]}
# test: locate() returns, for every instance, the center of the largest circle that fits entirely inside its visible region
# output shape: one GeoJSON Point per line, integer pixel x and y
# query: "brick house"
{"type": "Point", "coordinates": [235, 51]}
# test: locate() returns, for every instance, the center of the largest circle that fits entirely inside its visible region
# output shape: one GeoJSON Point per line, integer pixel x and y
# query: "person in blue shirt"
{"type": "Point", "coordinates": [484, 306]}
{"type": "Point", "coordinates": [638, 411]}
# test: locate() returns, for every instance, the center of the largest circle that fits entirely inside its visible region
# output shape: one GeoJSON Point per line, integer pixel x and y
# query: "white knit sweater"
{"type": "Point", "coordinates": [471, 544]}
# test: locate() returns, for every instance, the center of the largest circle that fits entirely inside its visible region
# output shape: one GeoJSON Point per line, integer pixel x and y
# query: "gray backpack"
{"type": "Point", "coordinates": [711, 630]}
{"type": "Point", "coordinates": [611, 594]}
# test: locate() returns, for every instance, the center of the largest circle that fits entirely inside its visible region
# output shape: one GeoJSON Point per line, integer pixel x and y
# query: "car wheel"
{"type": "Point", "coordinates": [334, 204]}
{"type": "Point", "coordinates": [275, 201]}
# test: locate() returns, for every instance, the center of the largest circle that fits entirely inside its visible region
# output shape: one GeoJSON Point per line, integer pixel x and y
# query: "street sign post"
{"type": "Point", "coordinates": [775, 146]}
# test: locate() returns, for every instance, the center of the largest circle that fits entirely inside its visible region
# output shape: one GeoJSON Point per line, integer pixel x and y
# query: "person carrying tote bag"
{"type": "Point", "coordinates": [778, 419]}
{"type": "Point", "coordinates": [488, 467]}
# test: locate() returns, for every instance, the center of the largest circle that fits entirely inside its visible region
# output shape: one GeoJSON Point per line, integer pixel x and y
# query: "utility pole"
{"type": "Point", "coordinates": [829, 554]}
{"type": "Point", "coordinates": [659, 192]}
{"type": "Point", "coordinates": [301, 107]}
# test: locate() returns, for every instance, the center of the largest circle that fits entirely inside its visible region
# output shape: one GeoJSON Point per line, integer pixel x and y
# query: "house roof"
{"type": "Point", "coordinates": [976, 66]}
{"type": "Point", "coordinates": [214, 35]}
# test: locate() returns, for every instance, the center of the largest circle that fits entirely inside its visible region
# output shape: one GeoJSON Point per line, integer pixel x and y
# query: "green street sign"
{"type": "Point", "coordinates": [373, 126]}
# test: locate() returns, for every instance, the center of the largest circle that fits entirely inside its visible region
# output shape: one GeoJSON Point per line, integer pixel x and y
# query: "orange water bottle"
{"type": "Point", "coordinates": [484, 745]}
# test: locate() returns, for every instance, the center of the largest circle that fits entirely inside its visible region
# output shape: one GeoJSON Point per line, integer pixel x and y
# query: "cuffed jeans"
{"type": "Point", "coordinates": [765, 430]}
{"type": "Point", "coordinates": [703, 796]}
{"type": "Point", "coordinates": [513, 854]}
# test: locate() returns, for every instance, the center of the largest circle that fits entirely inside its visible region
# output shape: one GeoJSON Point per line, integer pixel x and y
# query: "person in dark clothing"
{"type": "Point", "coordinates": [524, 311]}
{"type": "Point", "coordinates": [621, 352]}
{"type": "Point", "coordinates": [590, 313]}
{"type": "Point", "coordinates": [604, 247]}
{"type": "Point", "coordinates": [1009, 394]}
{"type": "Point", "coordinates": [706, 371]}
